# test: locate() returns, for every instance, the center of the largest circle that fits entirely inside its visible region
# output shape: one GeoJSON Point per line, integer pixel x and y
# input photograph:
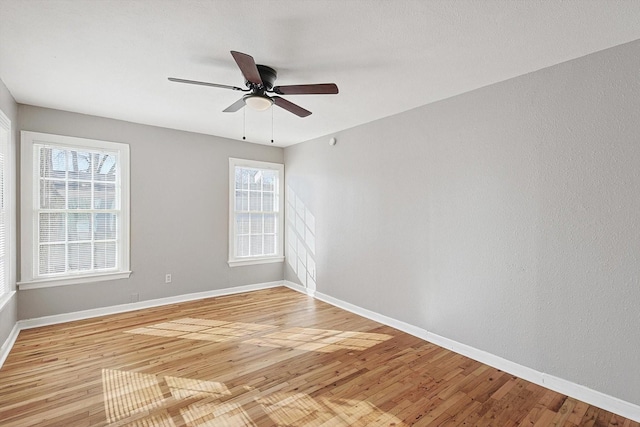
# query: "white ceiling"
{"type": "Point", "coordinates": [111, 58]}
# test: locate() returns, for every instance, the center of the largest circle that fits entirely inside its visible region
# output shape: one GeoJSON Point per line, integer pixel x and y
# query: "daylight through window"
{"type": "Point", "coordinates": [255, 211]}
{"type": "Point", "coordinates": [80, 213]}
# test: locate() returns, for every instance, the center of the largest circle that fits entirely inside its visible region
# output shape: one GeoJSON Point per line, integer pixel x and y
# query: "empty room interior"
{"type": "Point", "coordinates": [319, 213]}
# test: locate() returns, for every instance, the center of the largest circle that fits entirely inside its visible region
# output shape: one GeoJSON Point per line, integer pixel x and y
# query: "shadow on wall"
{"type": "Point", "coordinates": [301, 240]}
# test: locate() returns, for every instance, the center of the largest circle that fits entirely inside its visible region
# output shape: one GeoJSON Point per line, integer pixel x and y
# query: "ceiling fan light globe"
{"type": "Point", "coordinates": [258, 103]}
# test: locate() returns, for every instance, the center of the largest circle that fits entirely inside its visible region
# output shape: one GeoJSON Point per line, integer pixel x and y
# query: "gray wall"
{"type": "Point", "coordinates": [507, 218]}
{"type": "Point", "coordinates": [9, 312]}
{"type": "Point", "coordinates": [179, 213]}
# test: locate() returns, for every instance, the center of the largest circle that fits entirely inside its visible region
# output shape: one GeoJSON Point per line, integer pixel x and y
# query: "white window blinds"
{"type": "Point", "coordinates": [78, 211]}
{"type": "Point", "coordinates": [5, 133]}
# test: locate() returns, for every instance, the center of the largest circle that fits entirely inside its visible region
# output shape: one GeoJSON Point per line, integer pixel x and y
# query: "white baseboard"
{"type": "Point", "coordinates": [299, 288]}
{"type": "Point", "coordinates": [8, 343]}
{"type": "Point", "coordinates": [577, 391]}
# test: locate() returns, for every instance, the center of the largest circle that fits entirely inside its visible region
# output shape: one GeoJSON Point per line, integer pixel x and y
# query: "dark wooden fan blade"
{"type": "Point", "coordinates": [313, 89]}
{"type": "Point", "coordinates": [248, 67]}
{"type": "Point", "coordinates": [235, 106]}
{"type": "Point", "coordinates": [291, 107]}
{"type": "Point", "coordinates": [193, 82]}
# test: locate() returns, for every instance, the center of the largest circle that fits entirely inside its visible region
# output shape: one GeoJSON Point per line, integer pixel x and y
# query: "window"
{"type": "Point", "coordinates": [5, 229]}
{"type": "Point", "coordinates": [255, 212]}
{"type": "Point", "coordinates": [75, 219]}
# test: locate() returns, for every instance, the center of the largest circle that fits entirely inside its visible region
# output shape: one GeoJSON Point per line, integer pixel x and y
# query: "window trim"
{"type": "Point", "coordinates": [234, 261]}
{"type": "Point", "coordinates": [28, 232]}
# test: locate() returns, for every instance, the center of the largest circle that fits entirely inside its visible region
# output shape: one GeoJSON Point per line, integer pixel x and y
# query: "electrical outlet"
{"type": "Point", "coordinates": [167, 278]}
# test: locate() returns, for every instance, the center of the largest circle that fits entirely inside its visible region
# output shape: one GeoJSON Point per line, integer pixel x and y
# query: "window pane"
{"type": "Point", "coordinates": [268, 201]}
{"type": "Point", "coordinates": [53, 194]}
{"type": "Point", "coordinates": [242, 223]}
{"type": "Point", "coordinates": [269, 244]}
{"type": "Point", "coordinates": [269, 223]}
{"type": "Point", "coordinates": [255, 179]}
{"type": "Point", "coordinates": [268, 180]}
{"type": "Point", "coordinates": [242, 200]}
{"type": "Point", "coordinates": [105, 226]}
{"type": "Point", "coordinates": [105, 255]}
{"type": "Point", "coordinates": [104, 196]}
{"type": "Point", "coordinates": [256, 245]}
{"type": "Point", "coordinates": [104, 167]}
{"type": "Point", "coordinates": [256, 223]}
{"type": "Point", "coordinates": [52, 259]}
{"type": "Point", "coordinates": [238, 178]}
{"type": "Point", "coordinates": [79, 165]}
{"type": "Point", "coordinates": [242, 246]}
{"type": "Point", "coordinates": [255, 201]}
{"type": "Point", "coordinates": [53, 163]}
{"type": "Point", "coordinates": [246, 176]}
{"type": "Point", "coordinates": [79, 195]}
{"type": "Point", "coordinates": [52, 227]}
{"type": "Point", "coordinates": [45, 162]}
{"type": "Point", "coordinates": [79, 256]}
{"type": "Point", "coordinates": [78, 226]}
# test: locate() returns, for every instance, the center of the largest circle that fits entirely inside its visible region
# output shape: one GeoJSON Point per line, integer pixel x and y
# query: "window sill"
{"type": "Point", "coordinates": [72, 280]}
{"type": "Point", "coordinates": [254, 261]}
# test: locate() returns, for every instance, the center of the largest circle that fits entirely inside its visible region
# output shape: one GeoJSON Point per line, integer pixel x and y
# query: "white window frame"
{"type": "Point", "coordinates": [235, 261]}
{"type": "Point", "coordinates": [28, 215]}
{"type": "Point", "coordinates": [7, 207]}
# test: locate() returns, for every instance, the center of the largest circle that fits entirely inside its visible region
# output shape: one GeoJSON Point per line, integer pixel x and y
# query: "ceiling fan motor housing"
{"type": "Point", "coordinates": [268, 76]}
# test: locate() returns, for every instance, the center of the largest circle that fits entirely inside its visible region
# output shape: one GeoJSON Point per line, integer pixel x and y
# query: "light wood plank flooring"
{"type": "Point", "coordinates": [265, 358]}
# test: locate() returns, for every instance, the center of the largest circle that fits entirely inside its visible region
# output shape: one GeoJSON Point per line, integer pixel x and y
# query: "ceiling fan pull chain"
{"type": "Point", "coordinates": [272, 125]}
{"type": "Point", "coordinates": [244, 124]}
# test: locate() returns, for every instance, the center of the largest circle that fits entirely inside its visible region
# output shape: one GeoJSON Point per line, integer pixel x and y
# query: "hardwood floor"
{"type": "Point", "coordinates": [265, 358]}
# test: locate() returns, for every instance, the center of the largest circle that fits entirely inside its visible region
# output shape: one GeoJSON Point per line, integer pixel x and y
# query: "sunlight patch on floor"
{"type": "Point", "coordinates": [186, 388]}
{"type": "Point", "coordinates": [136, 399]}
{"type": "Point", "coordinates": [129, 393]}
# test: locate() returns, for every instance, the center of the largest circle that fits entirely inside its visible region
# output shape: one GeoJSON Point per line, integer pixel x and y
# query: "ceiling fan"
{"type": "Point", "coordinates": [259, 80]}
